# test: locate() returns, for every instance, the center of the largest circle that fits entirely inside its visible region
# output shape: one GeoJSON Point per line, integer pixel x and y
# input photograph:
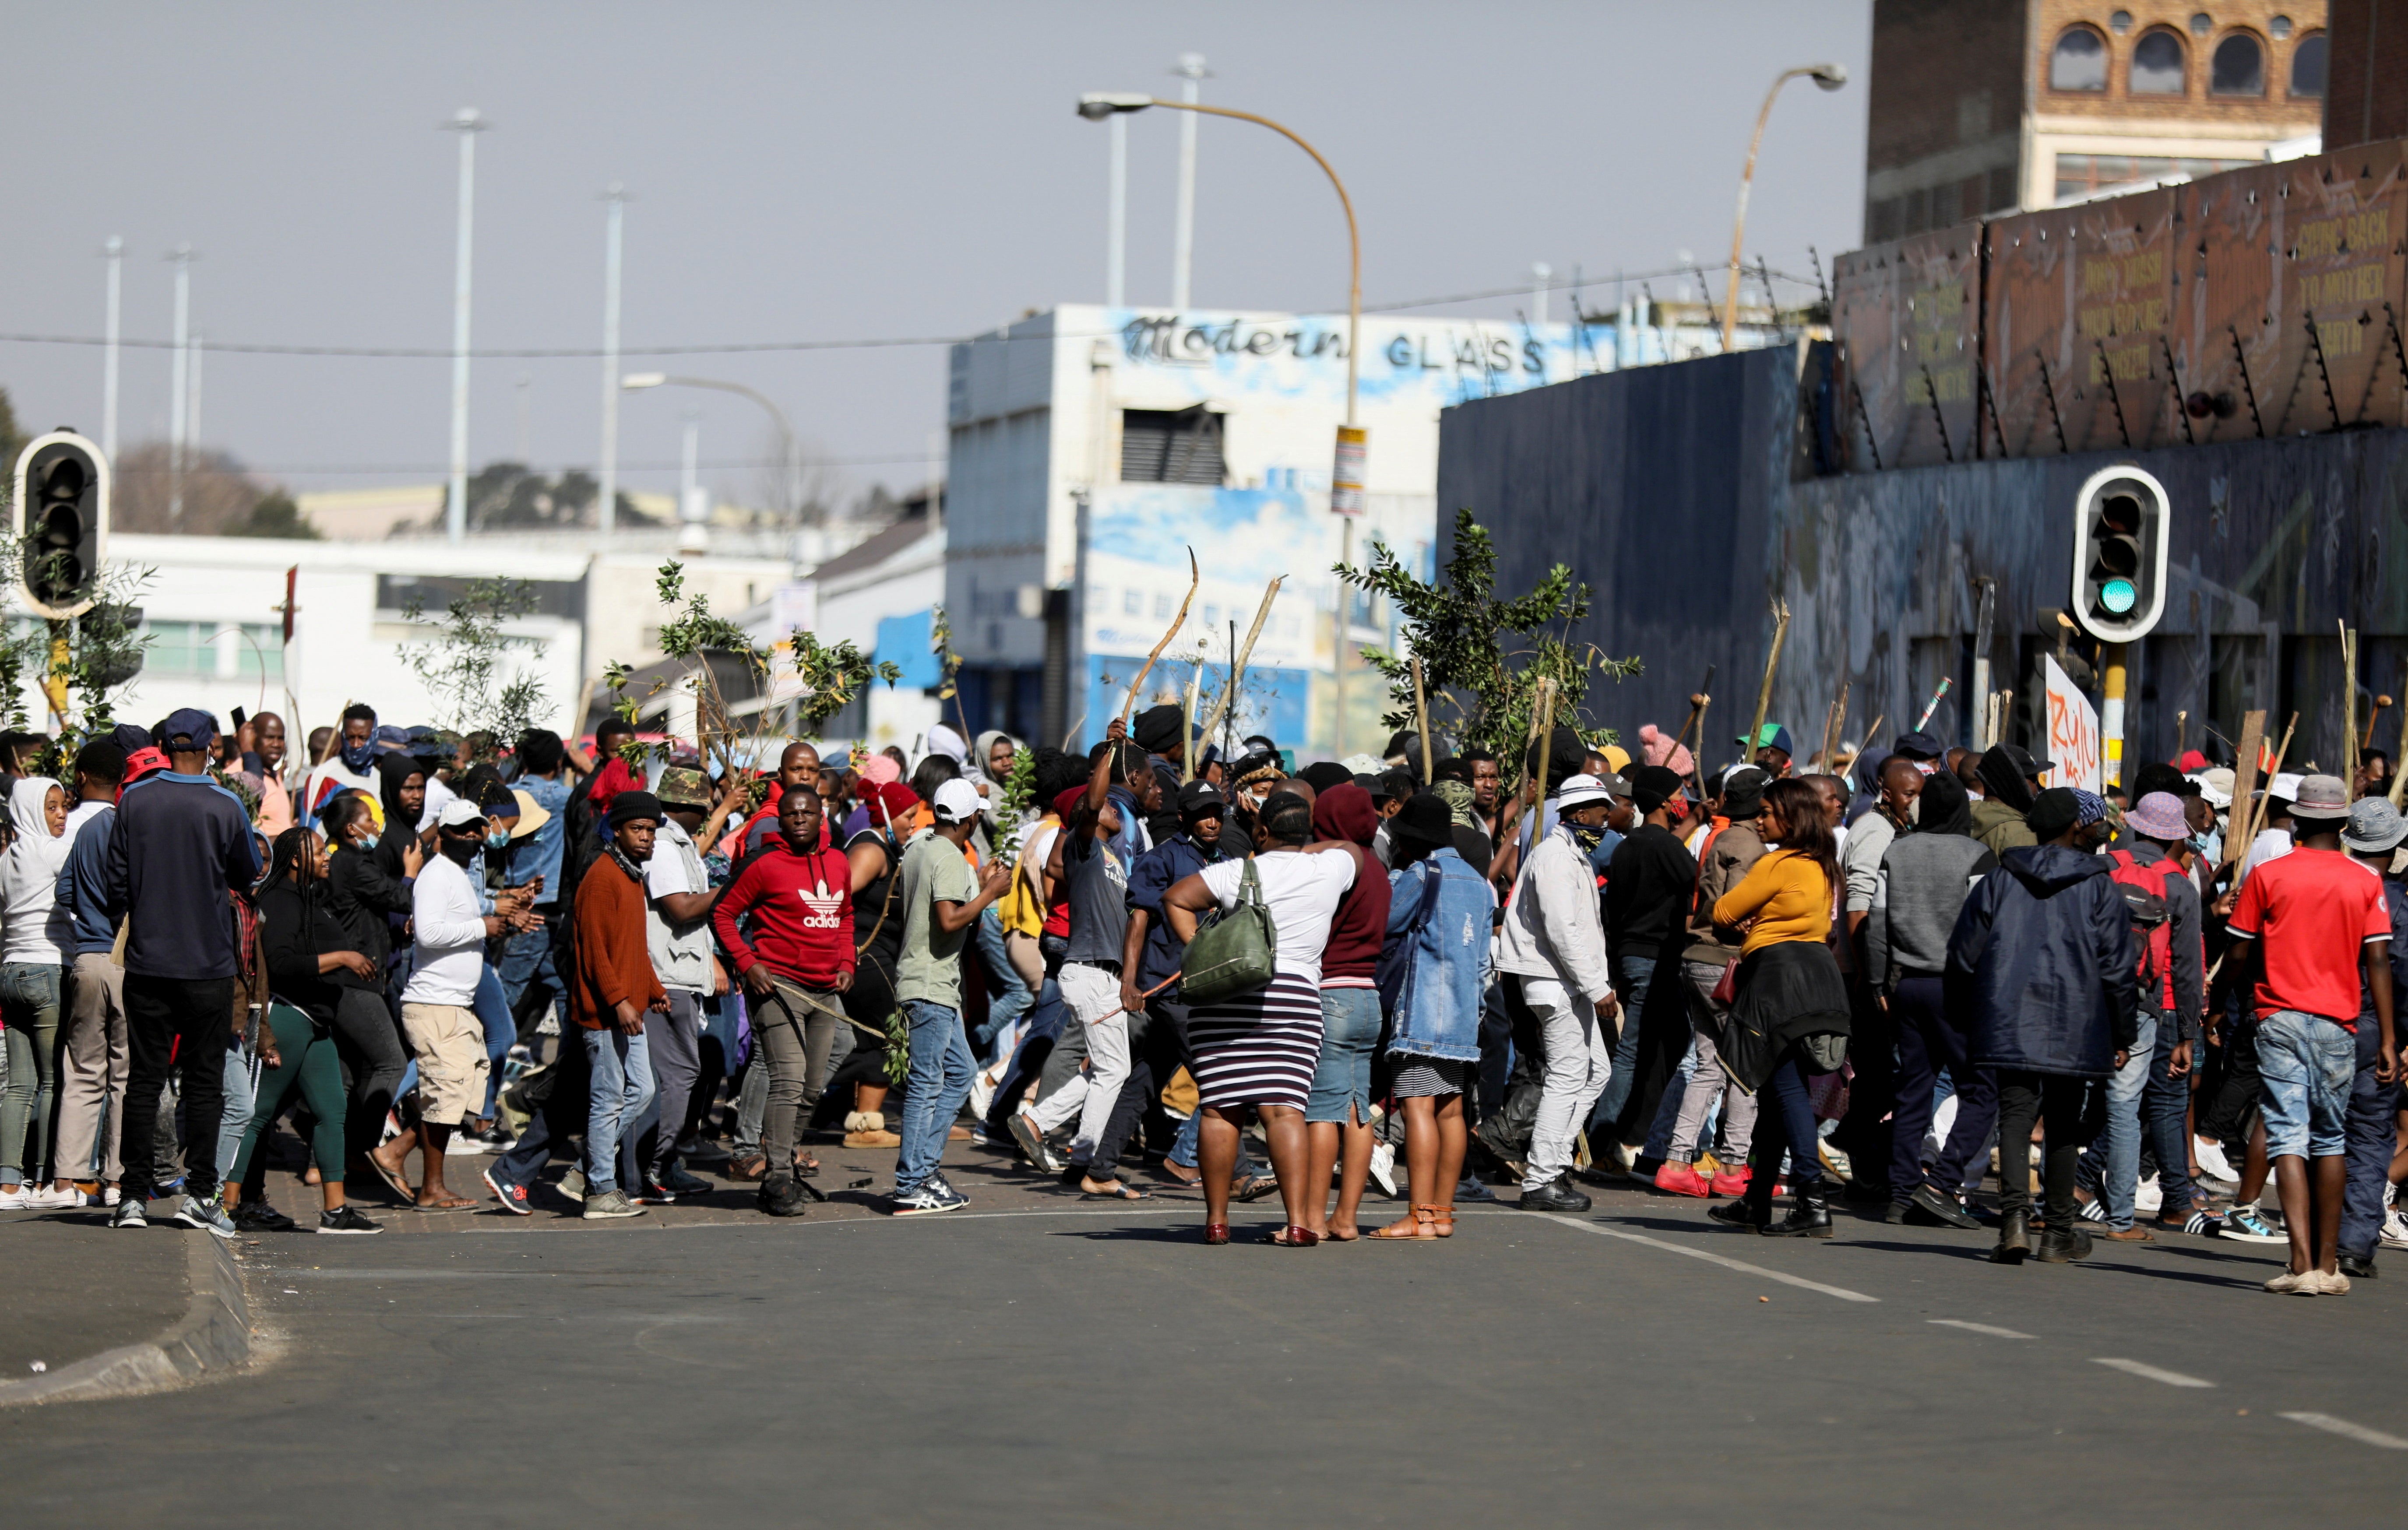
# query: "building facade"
{"type": "Point", "coordinates": [2003, 107]}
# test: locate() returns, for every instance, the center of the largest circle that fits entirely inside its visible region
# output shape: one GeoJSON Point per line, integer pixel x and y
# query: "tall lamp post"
{"type": "Point", "coordinates": [1346, 472]}
{"type": "Point", "coordinates": [1829, 76]}
{"type": "Point", "coordinates": [634, 382]}
{"type": "Point", "coordinates": [455, 506]}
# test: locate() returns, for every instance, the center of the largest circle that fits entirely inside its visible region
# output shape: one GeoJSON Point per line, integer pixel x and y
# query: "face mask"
{"type": "Point", "coordinates": [367, 841]}
{"type": "Point", "coordinates": [497, 839]}
{"type": "Point", "coordinates": [461, 852]}
{"type": "Point", "coordinates": [357, 755]}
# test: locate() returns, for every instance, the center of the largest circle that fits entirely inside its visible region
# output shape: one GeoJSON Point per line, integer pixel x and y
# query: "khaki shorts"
{"type": "Point", "coordinates": [450, 1045]}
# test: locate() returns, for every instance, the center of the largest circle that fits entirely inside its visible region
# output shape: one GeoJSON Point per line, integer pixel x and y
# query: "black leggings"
{"type": "Point", "coordinates": [370, 1046]}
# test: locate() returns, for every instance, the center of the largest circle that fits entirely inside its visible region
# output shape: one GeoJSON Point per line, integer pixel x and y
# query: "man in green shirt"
{"type": "Point", "coordinates": [941, 901]}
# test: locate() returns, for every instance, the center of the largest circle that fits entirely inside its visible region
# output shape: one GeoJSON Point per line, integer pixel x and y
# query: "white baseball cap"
{"type": "Point", "coordinates": [459, 813]}
{"type": "Point", "coordinates": [1579, 790]}
{"type": "Point", "coordinates": [957, 801]}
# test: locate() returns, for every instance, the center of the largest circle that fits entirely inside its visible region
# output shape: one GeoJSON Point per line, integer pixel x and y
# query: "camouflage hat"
{"type": "Point", "coordinates": [682, 785]}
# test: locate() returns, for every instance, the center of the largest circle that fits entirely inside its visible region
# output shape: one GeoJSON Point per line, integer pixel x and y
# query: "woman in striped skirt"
{"type": "Point", "coordinates": [1258, 1050]}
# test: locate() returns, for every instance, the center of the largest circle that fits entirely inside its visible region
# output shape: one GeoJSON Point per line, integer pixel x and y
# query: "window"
{"type": "Point", "coordinates": [2280, 27]}
{"type": "Point", "coordinates": [2308, 68]}
{"type": "Point", "coordinates": [2081, 175]}
{"type": "Point", "coordinates": [2158, 64]}
{"type": "Point", "coordinates": [230, 650]}
{"type": "Point", "coordinates": [2237, 68]}
{"type": "Point", "coordinates": [1170, 446]}
{"type": "Point", "coordinates": [2078, 61]}
{"type": "Point", "coordinates": [2120, 22]}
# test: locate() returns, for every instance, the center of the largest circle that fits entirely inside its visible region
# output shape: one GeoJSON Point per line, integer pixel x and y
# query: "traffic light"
{"type": "Point", "coordinates": [62, 522]}
{"type": "Point", "coordinates": [2121, 524]}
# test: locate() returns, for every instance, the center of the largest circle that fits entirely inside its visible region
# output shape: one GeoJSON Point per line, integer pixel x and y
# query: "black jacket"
{"type": "Point", "coordinates": [2044, 958]}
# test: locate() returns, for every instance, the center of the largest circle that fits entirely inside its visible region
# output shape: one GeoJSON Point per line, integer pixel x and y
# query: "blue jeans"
{"type": "Point", "coordinates": [1787, 1120]}
{"type": "Point", "coordinates": [29, 991]}
{"type": "Point", "coordinates": [2307, 1062]}
{"type": "Point", "coordinates": [527, 962]}
{"type": "Point", "coordinates": [241, 1097]}
{"type": "Point", "coordinates": [1004, 1010]}
{"type": "Point", "coordinates": [2110, 1167]}
{"type": "Point", "coordinates": [501, 1032]}
{"type": "Point", "coordinates": [621, 1087]}
{"type": "Point", "coordinates": [2367, 1154]}
{"type": "Point", "coordinates": [1631, 976]}
{"type": "Point", "coordinates": [2165, 1106]}
{"type": "Point", "coordinates": [938, 1083]}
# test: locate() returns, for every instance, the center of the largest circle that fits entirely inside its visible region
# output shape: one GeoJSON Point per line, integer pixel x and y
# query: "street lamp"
{"type": "Point", "coordinates": [635, 382]}
{"type": "Point", "coordinates": [1346, 472]}
{"type": "Point", "coordinates": [1829, 76]}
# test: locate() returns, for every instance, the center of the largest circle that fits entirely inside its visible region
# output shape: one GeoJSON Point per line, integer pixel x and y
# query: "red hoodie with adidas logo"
{"type": "Point", "coordinates": [801, 909]}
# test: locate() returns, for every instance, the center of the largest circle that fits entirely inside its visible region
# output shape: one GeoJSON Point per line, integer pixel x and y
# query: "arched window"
{"type": "Point", "coordinates": [2079, 61]}
{"type": "Point", "coordinates": [2237, 67]}
{"type": "Point", "coordinates": [2308, 68]}
{"type": "Point", "coordinates": [2158, 64]}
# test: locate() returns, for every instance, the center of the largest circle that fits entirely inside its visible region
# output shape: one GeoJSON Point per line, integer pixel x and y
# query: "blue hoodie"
{"type": "Point", "coordinates": [2043, 961]}
{"type": "Point", "coordinates": [179, 844]}
{"type": "Point", "coordinates": [82, 890]}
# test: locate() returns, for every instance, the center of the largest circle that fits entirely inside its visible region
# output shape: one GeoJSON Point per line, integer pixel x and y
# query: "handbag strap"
{"type": "Point", "coordinates": [1250, 886]}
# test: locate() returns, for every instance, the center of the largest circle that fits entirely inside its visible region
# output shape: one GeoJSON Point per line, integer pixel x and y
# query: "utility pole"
{"type": "Point", "coordinates": [526, 381]}
{"type": "Point", "coordinates": [455, 507]}
{"type": "Point", "coordinates": [192, 419]}
{"type": "Point", "coordinates": [116, 248]}
{"type": "Point", "coordinates": [1116, 218]}
{"type": "Point", "coordinates": [177, 377]}
{"type": "Point", "coordinates": [1191, 68]}
{"type": "Point", "coordinates": [1542, 275]}
{"type": "Point", "coordinates": [607, 514]}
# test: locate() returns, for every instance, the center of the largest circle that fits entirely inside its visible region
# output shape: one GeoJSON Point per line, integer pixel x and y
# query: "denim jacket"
{"type": "Point", "coordinates": [1438, 913]}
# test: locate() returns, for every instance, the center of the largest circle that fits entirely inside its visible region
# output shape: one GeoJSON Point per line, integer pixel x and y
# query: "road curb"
{"type": "Point", "coordinates": [212, 1337]}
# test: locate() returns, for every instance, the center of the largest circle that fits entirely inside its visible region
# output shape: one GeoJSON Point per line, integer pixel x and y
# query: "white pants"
{"type": "Point", "coordinates": [1578, 1061]}
{"type": "Point", "coordinates": [1094, 996]}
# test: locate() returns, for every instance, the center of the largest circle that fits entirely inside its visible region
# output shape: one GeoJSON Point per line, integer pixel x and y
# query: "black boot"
{"type": "Point", "coordinates": [2064, 1242]}
{"type": "Point", "coordinates": [784, 1195]}
{"type": "Point", "coordinates": [2014, 1240]}
{"type": "Point", "coordinates": [1752, 1209]}
{"type": "Point", "coordinates": [1810, 1215]}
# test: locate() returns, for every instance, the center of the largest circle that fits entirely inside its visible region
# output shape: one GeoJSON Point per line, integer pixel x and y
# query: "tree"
{"type": "Point", "coordinates": [463, 662]}
{"type": "Point", "coordinates": [276, 515]}
{"type": "Point", "coordinates": [218, 493]}
{"type": "Point", "coordinates": [1463, 634]}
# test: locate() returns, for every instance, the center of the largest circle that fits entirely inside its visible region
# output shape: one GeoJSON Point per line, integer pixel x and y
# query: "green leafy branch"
{"type": "Point", "coordinates": [468, 647]}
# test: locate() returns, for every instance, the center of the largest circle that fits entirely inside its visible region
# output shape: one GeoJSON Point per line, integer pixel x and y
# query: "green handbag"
{"type": "Point", "coordinates": [1235, 954]}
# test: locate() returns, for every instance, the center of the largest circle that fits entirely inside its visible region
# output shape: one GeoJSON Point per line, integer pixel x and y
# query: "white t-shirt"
{"type": "Point", "coordinates": [450, 929]}
{"type": "Point", "coordinates": [1302, 891]}
{"type": "Point", "coordinates": [680, 954]}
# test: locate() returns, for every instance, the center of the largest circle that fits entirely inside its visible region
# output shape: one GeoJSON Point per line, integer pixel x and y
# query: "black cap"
{"type": "Point", "coordinates": [1201, 799]}
{"type": "Point", "coordinates": [1915, 744]}
{"type": "Point", "coordinates": [1653, 786]}
{"type": "Point", "coordinates": [2053, 812]}
{"type": "Point", "coordinates": [629, 805]}
{"type": "Point", "coordinates": [1426, 819]}
{"type": "Point", "coordinates": [1744, 791]}
{"type": "Point", "coordinates": [1156, 728]}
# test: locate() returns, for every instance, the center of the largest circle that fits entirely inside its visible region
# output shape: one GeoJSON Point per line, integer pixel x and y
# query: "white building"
{"type": "Point", "coordinates": [1093, 449]}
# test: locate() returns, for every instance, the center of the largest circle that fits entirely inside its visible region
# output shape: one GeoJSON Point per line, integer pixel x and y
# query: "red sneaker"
{"type": "Point", "coordinates": [1682, 1179]}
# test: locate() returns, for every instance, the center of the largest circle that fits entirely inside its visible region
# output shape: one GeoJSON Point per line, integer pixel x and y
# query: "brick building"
{"type": "Point", "coordinates": [2370, 73]}
{"type": "Point", "coordinates": [1998, 106]}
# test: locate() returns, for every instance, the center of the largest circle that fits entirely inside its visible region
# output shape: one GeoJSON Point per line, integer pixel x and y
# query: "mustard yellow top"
{"type": "Point", "coordinates": [1787, 896]}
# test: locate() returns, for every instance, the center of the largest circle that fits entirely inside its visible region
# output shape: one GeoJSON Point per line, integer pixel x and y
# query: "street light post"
{"type": "Point", "coordinates": [455, 507]}
{"type": "Point", "coordinates": [1829, 76]}
{"type": "Point", "coordinates": [635, 382]}
{"type": "Point", "coordinates": [606, 513]}
{"type": "Point", "coordinates": [1346, 471]}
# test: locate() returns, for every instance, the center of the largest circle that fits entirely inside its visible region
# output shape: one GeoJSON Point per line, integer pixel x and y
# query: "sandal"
{"type": "Point", "coordinates": [1292, 1236]}
{"type": "Point", "coordinates": [1422, 1229]}
{"type": "Point", "coordinates": [1255, 1187]}
{"type": "Point", "coordinates": [1443, 1216]}
{"type": "Point", "coordinates": [748, 1166]}
{"type": "Point", "coordinates": [1216, 1233]}
{"type": "Point", "coordinates": [1118, 1192]}
{"type": "Point", "coordinates": [449, 1202]}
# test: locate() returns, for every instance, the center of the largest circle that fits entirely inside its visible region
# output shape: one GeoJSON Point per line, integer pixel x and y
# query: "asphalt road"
{"type": "Point", "coordinates": [1039, 1360]}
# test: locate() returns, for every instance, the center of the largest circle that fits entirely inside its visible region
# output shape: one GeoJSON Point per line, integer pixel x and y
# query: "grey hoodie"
{"type": "Point", "coordinates": [1920, 889]}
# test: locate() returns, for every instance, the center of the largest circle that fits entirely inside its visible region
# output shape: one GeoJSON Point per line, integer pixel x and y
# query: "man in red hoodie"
{"type": "Point", "coordinates": [799, 959]}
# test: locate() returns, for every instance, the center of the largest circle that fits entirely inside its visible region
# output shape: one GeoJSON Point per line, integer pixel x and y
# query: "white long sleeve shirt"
{"type": "Point", "coordinates": [449, 928]}
{"type": "Point", "coordinates": [1552, 927]}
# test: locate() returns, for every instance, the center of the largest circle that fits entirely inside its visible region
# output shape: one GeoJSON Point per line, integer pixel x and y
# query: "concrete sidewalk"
{"type": "Point", "coordinates": [110, 1314]}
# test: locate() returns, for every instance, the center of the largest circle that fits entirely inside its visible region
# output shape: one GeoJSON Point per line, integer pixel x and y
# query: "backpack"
{"type": "Point", "coordinates": [2150, 908]}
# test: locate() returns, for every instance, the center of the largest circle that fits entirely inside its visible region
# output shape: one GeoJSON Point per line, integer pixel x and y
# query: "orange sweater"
{"type": "Point", "coordinates": [613, 961]}
{"type": "Point", "coordinates": [1787, 896]}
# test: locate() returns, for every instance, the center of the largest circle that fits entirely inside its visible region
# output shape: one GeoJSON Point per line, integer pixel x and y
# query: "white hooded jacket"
{"type": "Point", "coordinates": [1554, 928]}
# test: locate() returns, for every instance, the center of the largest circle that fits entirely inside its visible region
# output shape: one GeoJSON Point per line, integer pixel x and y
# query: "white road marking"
{"type": "Point", "coordinates": [2358, 1432]}
{"type": "Point", "coordinates": [1978, 1328]}
{"type": "Point", "coordinates": [1802, 1282]}
{"type": "Point", "coordinates": [2151, 1373]}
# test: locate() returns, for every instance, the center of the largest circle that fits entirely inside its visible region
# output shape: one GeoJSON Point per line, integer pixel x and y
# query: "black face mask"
{"type": "Point", "coordinates": [1588, 836]}
{"type": "Point", "coordinates": [459, 851]}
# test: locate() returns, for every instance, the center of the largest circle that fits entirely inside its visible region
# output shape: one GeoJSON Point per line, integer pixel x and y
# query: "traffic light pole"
{"type": "Point", "coordinates": [2111, 716]}
{"type": "Point", "coordinates": [55, 682]}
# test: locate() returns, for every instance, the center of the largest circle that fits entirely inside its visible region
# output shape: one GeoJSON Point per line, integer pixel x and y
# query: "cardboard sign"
{"type": "Point", "coordinates": [2073, 748]}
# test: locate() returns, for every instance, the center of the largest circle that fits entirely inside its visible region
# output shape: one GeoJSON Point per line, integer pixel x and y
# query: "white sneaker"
{"type": "Point", "coordinates": [13, 1199]}
{"type": "Point", "coordinates": [1384, 1167]}
{"type": "Point", "coordinates": [49, 1198]}
{"type": "Point", "coordinates": [2395, 1229]}
{"type": "Point", "coordinates": [2211, 1162]}
{"type": "Point", "coordinates": [982, 1093]}
{"type": "Point", "coordinates": [2147, 1196]}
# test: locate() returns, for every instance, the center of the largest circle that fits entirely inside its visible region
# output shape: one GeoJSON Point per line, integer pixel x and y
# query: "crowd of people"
{"type": "Point", "coordinates": [1431, 970]}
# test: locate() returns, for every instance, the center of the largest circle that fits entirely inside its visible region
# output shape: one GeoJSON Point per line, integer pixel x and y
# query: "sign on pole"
{"type": "Point", "coordinates": [2073, 748]}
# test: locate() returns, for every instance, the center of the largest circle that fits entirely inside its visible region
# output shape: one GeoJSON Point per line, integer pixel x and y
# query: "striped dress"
{"type": "Point", "coordinates": [1259, 1048]}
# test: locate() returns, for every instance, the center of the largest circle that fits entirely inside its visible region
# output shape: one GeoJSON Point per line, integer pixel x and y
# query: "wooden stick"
{"type": "Point", "coordinates": [1764, 692]}
{"type": "Point", "coordinates": [2258, 813]}
{"type": "Point", "coordinates": [2245, 782]}
{"type": "Point", "coordinates": [2181, 735]}
{"type": "Point", "coordinates": [2349, 706]}
{"type": "Point", "coordinates": [1697, 751]}
{"type": "Point", "coordinates": [1839, 726]}
{"type": "Point", "coordinates": [1137, 687]}
{"type": "Point", "coordinates": [1873, 733]}
{"type": "Point", "coordinates": [1238, 666]}
{"type": "Point", "coordinates": [2400, 777]}
{"type": "Point", "coordinates": [1697, 700]}
{"type": "Point", "coordinates": [2380, 702]}
{"type": "Point", "coordinates": [1543, 725]}
{"type": "Point", "coordinates": [1421, 719]}
{"type": "Point", "coordinates": [1187, 746]}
